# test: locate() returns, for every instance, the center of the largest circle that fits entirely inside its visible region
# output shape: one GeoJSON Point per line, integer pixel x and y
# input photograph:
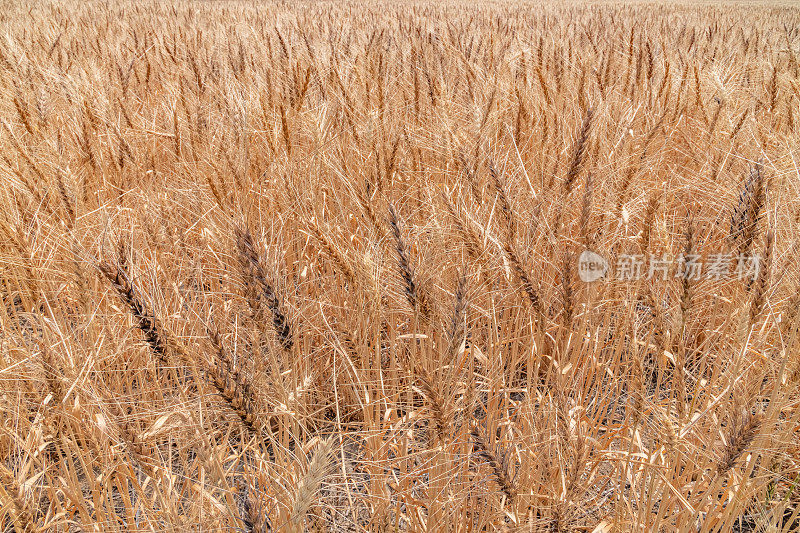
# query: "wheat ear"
{"type": "Point", "coordinates": [498, 467]}
{"type": "Point", "coordinates": [259, 286]}
{"type": "Point", "coordinates": [309, 485]}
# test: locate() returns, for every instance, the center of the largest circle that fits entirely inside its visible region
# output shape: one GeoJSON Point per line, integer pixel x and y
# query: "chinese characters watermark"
{"type": "Point", "coordinates": [632, 267]}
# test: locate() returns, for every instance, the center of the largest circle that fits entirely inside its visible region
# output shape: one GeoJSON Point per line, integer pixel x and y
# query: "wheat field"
{"type": "Point", "coordinates": [322, 266]}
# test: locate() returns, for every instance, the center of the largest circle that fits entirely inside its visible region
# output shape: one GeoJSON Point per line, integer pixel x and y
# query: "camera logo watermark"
{"type": "Point", "coordinates": [631, 267]}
